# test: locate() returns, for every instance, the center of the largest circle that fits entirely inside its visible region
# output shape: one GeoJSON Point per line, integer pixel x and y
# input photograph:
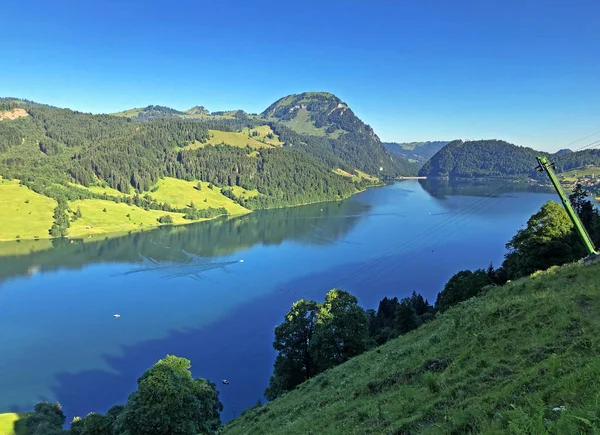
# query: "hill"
{"type": "Point", "coordinates": [497, 158]}
{"type": "Point", "coordinates": [521, 359]}
{"type": "Point", "coordinates": [415, 152]}
{"type": "Point", "coordinates": [68, 156]}
{"type": "Point", "coordinates": [343, 134]}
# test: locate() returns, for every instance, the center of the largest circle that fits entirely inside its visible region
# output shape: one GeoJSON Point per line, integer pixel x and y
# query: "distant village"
{"type": "Point", "coordinates": [590, 182]}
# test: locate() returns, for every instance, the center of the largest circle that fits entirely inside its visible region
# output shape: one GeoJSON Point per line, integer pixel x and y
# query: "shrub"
{"type": "Point", "coordinates": [166, 219]}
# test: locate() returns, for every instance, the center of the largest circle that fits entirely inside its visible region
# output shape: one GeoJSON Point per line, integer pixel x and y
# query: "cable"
{"type": "Point", "coordinates": [579, 140]}
{"type": "Point", "coordinates": [445, 222]}
{"type": "Point", "coordinates": [592, 144]}
{"type": "Point", "coordinates": [434, 236]}
{"type": "Point", "coordinates": [412, 256]}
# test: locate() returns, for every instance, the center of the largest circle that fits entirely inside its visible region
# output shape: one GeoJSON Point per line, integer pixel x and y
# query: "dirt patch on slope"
{"type": "Point", "coordinates": [13, 114]}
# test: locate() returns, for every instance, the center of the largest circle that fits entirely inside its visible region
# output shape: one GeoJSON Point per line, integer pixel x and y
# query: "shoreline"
{"type": "Point", "coordinates": [116, 233]}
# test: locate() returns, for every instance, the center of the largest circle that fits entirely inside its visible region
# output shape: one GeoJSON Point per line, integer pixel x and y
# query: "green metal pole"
{"type": "Point", "coordinates": [547, 166]}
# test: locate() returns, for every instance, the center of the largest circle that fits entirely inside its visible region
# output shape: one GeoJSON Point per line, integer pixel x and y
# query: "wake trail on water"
{"type": "Point", "coordinates": [172, 269]}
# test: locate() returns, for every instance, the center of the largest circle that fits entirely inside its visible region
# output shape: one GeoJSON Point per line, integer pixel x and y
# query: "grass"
{"type": "Point", "coordinates": [242, 193]}
{"type": "Point", "coordinates": [503, 362]}
{"type": "Point", "coordinates": [115, 218]}
{"type": "Point", "coordinates": [230, 138]}
{"type": "Point", "coordinates": [12, 424]}
{"type": "Point", "coordinates": [181, 193]}
{"type": "Point", "coordinates": [303, 124]}
{"type": "Point", "coordinates": [101, 190]}
{"type": "Point", "coordinates": [23, 212]}
{"type": "Point", "coordinates": [358, 176]}
{"type": "Point", "coordinates": [263, 131]}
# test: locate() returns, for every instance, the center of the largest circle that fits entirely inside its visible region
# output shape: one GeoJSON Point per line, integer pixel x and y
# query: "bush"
{"type": "Point", "coordinates": [166, 219]}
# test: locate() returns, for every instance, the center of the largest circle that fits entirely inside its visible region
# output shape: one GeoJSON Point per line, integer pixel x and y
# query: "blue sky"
{"type": "Point", "coordinates": [524, 71]}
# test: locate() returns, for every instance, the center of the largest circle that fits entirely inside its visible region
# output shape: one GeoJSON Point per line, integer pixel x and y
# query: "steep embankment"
{"type": "Point", "coordinates": [498, 363]}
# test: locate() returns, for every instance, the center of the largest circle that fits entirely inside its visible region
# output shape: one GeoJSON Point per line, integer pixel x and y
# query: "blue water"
{"type": "Point", "coordinates": [59, 339]}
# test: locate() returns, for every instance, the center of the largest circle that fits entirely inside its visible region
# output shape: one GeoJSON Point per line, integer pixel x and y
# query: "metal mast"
{"type": "Point", "coordinates": [545, 165]}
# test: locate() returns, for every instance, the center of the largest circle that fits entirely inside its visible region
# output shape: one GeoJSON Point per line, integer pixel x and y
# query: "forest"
{"type": "Point", "coordinates": [52, 148]}
{"type": "Point", "coordinates": [496, 158]}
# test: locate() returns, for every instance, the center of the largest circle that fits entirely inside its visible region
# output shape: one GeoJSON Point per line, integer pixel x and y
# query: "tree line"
{"type": "Point", "coordinates": [58, 146]}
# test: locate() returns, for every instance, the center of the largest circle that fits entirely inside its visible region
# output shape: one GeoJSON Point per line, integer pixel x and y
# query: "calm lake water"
{"type": "Point", "coordinates": [184, 291]}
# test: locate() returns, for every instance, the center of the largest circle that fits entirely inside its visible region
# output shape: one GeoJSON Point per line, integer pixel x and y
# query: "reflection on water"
{"type": "Point", "coordinates": [316, 224]}
{"type": "Point", "coordinates": [441, 188]}
{"type": "Point", "coordinates": [183, 290]}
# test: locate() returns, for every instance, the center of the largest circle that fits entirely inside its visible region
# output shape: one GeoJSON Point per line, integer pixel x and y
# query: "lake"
{"type": "Point", "coordinates": [184, 291]}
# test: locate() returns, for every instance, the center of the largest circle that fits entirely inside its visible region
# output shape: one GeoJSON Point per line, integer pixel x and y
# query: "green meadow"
{"type": "Point", "coordinates": [24, 214]}
{"type": "Point", "coordinates": [181, 193]}
{"type": "Point", "coordinates": [520, 359]}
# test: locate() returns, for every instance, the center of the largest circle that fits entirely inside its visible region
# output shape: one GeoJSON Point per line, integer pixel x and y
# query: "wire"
{"type": "Point", "coordinates": [450, 229]}
{"type": "Point", "coordinates": [394, 251]}
{"type": "Point", "coordinates": [592, 145]}
{"type": "Point", "coordinates": [579, 140]}
{"type": "Point", "coordinates": [412, 256]}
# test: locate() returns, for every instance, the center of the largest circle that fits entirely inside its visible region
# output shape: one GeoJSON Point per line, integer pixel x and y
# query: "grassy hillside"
{"type": "Point", "coordinates": [181, 193]}
{"type": "Point", "coordinates": [12, 424]}
{"type": "Point", "coordinates": [241, 139]}
{"type": "Point", "coordinates": [499, 363]}
{"type": "Point", "coordinates": [28, 215]}
{"type": "Point", "coordinates": [23, 212]}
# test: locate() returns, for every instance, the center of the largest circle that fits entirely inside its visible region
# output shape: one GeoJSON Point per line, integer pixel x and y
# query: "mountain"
{"type": "Point", "coordinates": [344, 135]}
{"type": "Point", "coordinates": [564, 151]}
{"type": "Point", "coordinates": [519, 359]}
{"type": "Point", "coordinates": [319, 123]}
{"type": "Point", "coordinates": [197, 110]}
{"type": "Point", "coordinates": [497, 158]}
{"type": "Point", "coordinates": [415, 152]}
{"type": "Point", "coordinates": [161, 160]}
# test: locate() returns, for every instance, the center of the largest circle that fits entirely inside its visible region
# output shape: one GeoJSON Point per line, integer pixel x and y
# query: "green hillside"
{"type": "Point", "coordinates": [63, 156]}
{"type": "Point", "coordinates": [343, 135]}
{"type": "Point", "coordinates": [496, 158]}
{"type": "Point", "coordinates": [498, 363]}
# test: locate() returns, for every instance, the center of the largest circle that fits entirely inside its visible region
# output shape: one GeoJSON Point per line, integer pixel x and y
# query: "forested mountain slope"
{"type": "Point", "coordinates": [342, 133]}
{"type": "Point", "coordinates": [71, 156]}
{"type": "Point", "coordinates": [521, 359]}
{"type": "Point", "coordinates": [496, 158]}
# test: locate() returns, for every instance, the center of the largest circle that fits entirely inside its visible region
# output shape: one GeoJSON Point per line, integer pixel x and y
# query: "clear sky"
{"type": "Point", "coordinates": [520, 70]}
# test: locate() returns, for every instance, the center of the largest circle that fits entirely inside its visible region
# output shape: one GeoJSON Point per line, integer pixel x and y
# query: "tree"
{"type": "Point", "coordinates": [165, 219]}
{"type": "Point", "coordinates": [78, 213]}
{"type": "Point", "coordinates": [548, 240]}
{"type": "Point", "coordinates": [342, 330]}
{"type": "Point", "coordinates": [462, 286]}
{"type": "Point", "coordinates": [170, 402]}
{"type": "Point", "coordinates": [198, 186]}
{"type": "Point", "coordinates": [47, 419]}
{"type": "Point", "coordinates": [294, 342]}
{"type": "Point", "coordinates": [97, 424]}
{"type": "Point", "coordinates": [405, 319]}
{"type": "Point", "coordinates": [579, 199]}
